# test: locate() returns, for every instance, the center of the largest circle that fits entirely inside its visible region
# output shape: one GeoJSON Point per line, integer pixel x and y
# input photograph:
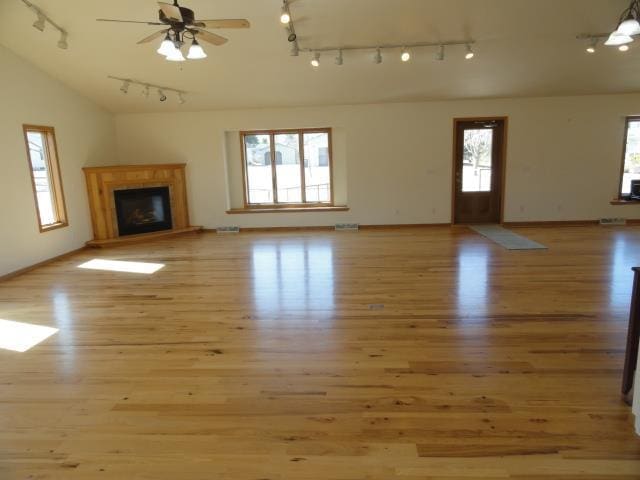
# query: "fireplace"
{"type": "Point", "coordinates": [143, 210]}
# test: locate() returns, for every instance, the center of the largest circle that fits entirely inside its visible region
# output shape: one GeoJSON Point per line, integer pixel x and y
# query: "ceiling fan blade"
{"type": "Point", "coordinates": [126, 21]}
{"type": "Point", "coordinates": [210, 37]}
{"type": "Point", "coordinates": [171, 11]}
{"type": "Point", "coordinates": [223, 23]}
{"type": "Point", "coordinates": [153, 36]}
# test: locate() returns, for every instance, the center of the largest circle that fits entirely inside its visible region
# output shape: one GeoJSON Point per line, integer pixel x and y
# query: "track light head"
{"type": "Point", "coordinates": [405, 56]}
{"type": "Point", "coordinates": [285, 17]}
{"type": "Point", "coordinates": [62, 43]}
{"type": "Point", "coordinates": [161, 95]}
{"type": "Point", "coordinates": [593, 44]}
{"type": "Point", "coordinates": [40, 22]}
{"type": "Point", "coordinates": [469, 55]}
{"type": "Point", "coordinates": [125, 86]}
{"type": "Point", "coordinates": [181, 98]}
{"type": "Point", "coordinates": [145, 92]}
{"type": "Point", "coordinates": [315, 61]}
{"type": "Point", "coordinates": [377, 58]}
{"type": "Point", "coordinates": [295, 49]}
{"type": "Point", "coordinates": [440, 54]}
{"type": "Point", "coordinates": [339, 58]}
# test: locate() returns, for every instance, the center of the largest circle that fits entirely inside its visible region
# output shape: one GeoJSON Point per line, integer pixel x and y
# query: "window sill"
{"type": "Point", "coordinates": [235, 211]}
{"type": "Point", "coordinates": [53, 226]}
{"type": "Point", "coordinates": [622, 201]}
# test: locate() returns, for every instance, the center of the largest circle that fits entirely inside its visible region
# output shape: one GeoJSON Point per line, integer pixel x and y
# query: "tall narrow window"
{"type": "Point", "coordinates": [287, 167]}
{"type": "Point", "coordinates": [631, 156]}
{"type": "Point", "coordinates": [45, 177]}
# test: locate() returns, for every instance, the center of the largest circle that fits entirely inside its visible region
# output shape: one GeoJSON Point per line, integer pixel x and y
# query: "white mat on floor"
{"type": "Point", "coordinates": [506, 238]}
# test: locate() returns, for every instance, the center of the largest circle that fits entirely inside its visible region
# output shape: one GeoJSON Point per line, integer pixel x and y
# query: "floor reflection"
{"type": "Point", "coordinates": [473, 279]}
{"type": "Point", "coordinates": [292, 277]}
{"type": "Point", "coordinates": [621, 281]}
{"type": "Point", "coordinates": [63, 316]}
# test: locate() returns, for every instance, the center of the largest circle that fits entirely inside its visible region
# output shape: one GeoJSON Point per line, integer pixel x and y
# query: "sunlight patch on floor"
{"type": "Point", "coordinates": [122, 266]}
{"type": "Point", "coordinates": [20, 337]}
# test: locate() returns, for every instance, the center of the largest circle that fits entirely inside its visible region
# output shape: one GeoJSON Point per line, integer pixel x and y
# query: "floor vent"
{"type": "Point", "coordinates": [347, 227]}
{"type": "Point", "coordinates": [613, 221]}
{"type": "Point", "coordinates": [228, 230]}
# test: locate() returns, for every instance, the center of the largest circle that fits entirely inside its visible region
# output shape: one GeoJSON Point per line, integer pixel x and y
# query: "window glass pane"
{"type": "Point", "coordinates": [259, 176]}
{"type": "Point", "coordinates": [476, 161]}
{"type": "Point", "coordinates": [288, 168]}
{"type": "Point", "coordinates": [632, 157]}
{"type": "Point", "coordinates": [317, 167]}
{"type": "Point", "coordinates": [41, 176]}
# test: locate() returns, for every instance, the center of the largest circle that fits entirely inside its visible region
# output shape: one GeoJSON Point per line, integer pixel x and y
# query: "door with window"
{"type": "Point", "coordinates": [478, 170]}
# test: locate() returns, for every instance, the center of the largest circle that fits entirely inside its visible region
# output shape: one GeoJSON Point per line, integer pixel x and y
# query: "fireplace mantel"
{"type": "Point", "coordinates": [101, 183]}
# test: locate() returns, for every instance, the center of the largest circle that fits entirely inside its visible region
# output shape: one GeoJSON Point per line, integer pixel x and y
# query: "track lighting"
{"type": "Point", "coordinates": [469, 55]}
{"type": "Point", "coordinates": [295, 49]}
{"type": "Point", "coordinates": [405, 56]}
{"type": "Point", "coordinates": [125, 86]}
{"type": "Point", "coordinates": [40, 22]}
{"type": "Point", "coordinates": [440, 54]}
{"type": "Point", "coordinates": [339, 59]}
{"type": "Point", "coordinates": [146, 89]}
{"type": "Point", "coordinates": [315, 61]}
{"type": "Point", "coordinates": [62, 43]}
{"type": "Point", "coordinates": [196, 52]}
{"type": "Point", "coordinates": [377, 58]}
{"type": "Point", "coordinates": [161, 95]}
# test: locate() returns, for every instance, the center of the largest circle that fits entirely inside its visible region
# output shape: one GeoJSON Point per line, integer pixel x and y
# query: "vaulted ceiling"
{"type": "Point", "coordinates": [524, 48]}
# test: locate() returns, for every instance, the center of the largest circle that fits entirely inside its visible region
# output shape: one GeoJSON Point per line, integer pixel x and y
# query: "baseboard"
{"type": "Point", "coordinates": [24, 270]}
{"type": "Point", "coordinates": [332, 227]}
{"type": "Point", "coordinates": [563, 223]}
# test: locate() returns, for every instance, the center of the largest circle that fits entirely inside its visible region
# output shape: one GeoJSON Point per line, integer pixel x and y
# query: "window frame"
{"type": "Point", "coordinates": [272, 134]}
{"type": "Point", "coordinates": [55, 177]}
{"type": "Point", "coordinates": [628, 120]}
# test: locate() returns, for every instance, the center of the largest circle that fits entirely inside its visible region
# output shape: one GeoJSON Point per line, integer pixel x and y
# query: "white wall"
{"type": "Point", "coordinates": [563, 159]}
{"type": "Point", "coordinates": [85, 136]}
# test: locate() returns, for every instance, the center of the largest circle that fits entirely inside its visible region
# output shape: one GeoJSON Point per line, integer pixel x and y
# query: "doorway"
{"type": "Point", "coordinates": [478, 170]}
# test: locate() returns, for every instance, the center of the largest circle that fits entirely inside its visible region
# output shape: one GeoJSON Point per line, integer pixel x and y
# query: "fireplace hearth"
{"type": "Point", "coordinates": [143, 210]}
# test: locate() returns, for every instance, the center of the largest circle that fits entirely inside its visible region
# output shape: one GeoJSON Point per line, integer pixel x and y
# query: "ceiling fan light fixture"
{"type": "Point", "coordinates": [617, 39]}
{"type": "Point", "coordinates": [196, 52]}
{"type": "Point", "coordinates": [630, 26]}
{"type": "Point", "coordinates": [167, 46]}
{"type": "Point", "coordinates": [176, 56]}
{"type": "Point", "coordinates": [315, 61]}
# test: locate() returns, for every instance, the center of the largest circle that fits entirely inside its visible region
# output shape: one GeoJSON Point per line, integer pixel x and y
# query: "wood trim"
{"type": "Point", "coordinates": [296, 209]}
{"type": "Point", "coordinates": [22, 271]}
{"type": "Point", "coordinates": [142, 166]}
{"type": "Point", "coordinates": [622, 201]}
{"type": "Point", "coordinates": [628, 120]}
{"type": "Point", "coordinates": [272, 133]}
{"type": "Point", "coordinates": [54, 174]}
{"type": "Point", "coordinates": [505, 140]}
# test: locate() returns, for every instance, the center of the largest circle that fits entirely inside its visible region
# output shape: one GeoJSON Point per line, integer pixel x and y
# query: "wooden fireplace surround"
{"type": "Point", "coordinates": [101, 183]}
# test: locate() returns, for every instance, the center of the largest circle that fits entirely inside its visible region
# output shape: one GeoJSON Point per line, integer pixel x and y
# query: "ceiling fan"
{"type": "Point", "coordinates": [182, 25]}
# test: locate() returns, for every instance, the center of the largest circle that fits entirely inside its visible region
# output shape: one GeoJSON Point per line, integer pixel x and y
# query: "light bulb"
{"type": "Point", "coordinates": [405, 56]}
{"type": "Point", "coordinates": [469, 55]}
{"type": "Point", "coordinates": [315, 62]}
{"type": "Point", "coordinates": [285, 17]}
{"type": "Point", "coordinates": [176, 56]}
{"type": "Point", "coordinates": [196, 52]}
{"type": "Point", "coordinates": [623, 48]}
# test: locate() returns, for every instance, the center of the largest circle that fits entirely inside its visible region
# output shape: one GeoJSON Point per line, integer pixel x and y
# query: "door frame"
{"type": "Point", "coordinates": [503, 182]}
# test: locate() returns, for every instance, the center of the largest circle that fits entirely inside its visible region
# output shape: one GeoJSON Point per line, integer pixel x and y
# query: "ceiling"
{"type": "Point", "coordinates": [524, 48]}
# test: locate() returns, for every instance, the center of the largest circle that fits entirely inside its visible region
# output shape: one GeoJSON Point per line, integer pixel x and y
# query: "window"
{"type": "Point", "coordinates": [476, 160]}
{"type": "Point", "coordinates": [631, 156]}
{"type": "Point", "coordinates": [45, 177]}
{"type": "Point", "coordinates": [287, 168]}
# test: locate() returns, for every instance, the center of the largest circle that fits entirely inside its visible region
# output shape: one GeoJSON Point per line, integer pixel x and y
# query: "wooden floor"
{"type": "Point", "coordinates": [380, 355]}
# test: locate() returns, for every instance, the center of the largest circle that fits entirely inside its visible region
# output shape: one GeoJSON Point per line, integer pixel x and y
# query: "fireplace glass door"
{"type": "Point", "coordinates": [143, 210]}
